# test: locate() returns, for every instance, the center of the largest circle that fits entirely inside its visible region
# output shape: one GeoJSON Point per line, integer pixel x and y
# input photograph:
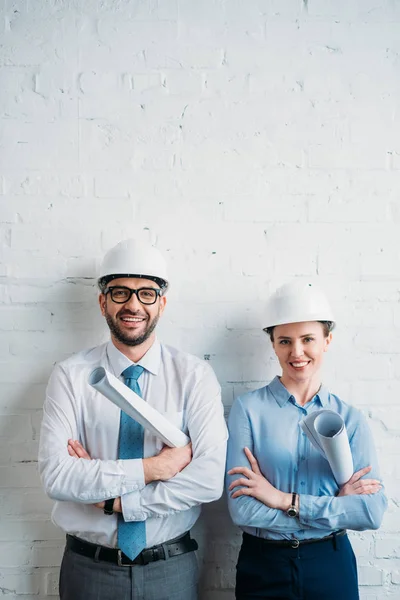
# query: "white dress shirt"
{"type": "Point", "coordinates": [181, 387]}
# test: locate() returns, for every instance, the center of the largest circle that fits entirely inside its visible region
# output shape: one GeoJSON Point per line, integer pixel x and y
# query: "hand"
{"type": "Point", "coordinates": [76, 450]}
{"type": "Point", "coordinates": [167, 464]}
{"type": "Point", "coordinates": [257, 486]}
{"type": "Point", "coordinates": [358, 486]}
{"type": "Point", "coordinates": [116, 507]}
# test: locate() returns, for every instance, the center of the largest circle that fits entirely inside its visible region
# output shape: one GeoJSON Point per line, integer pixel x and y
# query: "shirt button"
{"type": "Point", "coordinates": [302, 483]}
{"type": "Point", "coordinates": [303, 458]}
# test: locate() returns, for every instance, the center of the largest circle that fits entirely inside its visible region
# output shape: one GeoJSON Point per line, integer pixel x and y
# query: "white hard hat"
{"type": "Point", "coordinates": [298, 302]}
{"type": "Point", "coordinates": [133, 258]}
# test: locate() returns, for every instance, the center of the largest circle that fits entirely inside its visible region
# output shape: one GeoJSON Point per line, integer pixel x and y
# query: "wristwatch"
{"type": "Point", "coordinates": [108, 506]}
{"type": "Point", "coordinates": [292, 511]}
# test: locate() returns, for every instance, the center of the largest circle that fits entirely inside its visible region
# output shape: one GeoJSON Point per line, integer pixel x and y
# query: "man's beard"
{"type": "Point", "coordinates": [126, 338]}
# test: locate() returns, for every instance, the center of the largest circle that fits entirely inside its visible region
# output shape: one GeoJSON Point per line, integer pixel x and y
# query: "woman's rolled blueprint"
{"type": "Point", "coordinates": [327, 432]}
{"type": "Point", "coordinates": [137, 408]}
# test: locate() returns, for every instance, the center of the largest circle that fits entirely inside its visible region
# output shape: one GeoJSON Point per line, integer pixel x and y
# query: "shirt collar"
{"type": "Point", "coordinates": [279, 391]}
{"type": "Point", "coordinates": [150, 361]}
{"type": "Point", "coordinates": [323, 396]}
{"type": "Point", "coordinates": [281, 394]}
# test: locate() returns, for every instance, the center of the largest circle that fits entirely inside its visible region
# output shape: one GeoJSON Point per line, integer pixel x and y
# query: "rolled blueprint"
{"type": "Point", "coordinates": [326, 430]}
{"type": "Point", "coordinates": [134, 406]}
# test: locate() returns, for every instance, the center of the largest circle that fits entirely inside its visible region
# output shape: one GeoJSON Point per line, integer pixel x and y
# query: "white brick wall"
{"type": "Point", "coordinates": [254, 140]}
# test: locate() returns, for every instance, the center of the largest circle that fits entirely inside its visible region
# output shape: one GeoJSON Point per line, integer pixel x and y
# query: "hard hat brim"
{"type": "Point", "coordinates": [105, 280]}
{"type": "Point", "coordinates": [287, 320]}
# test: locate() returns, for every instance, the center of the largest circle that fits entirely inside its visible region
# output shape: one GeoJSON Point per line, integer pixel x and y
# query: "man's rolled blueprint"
{"type": "Point", "coordinates": [327, 432]}
{"type": "Point", "coordinates": [134, 406]}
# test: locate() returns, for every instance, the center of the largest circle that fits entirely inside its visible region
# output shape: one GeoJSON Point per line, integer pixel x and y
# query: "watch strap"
{"type": "Point", "coordinates": [109, 506]}
{"type": "Point", "coordinates": [292, 511]}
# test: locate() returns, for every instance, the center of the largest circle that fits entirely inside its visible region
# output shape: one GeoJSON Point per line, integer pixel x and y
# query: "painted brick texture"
{"type": "Point", "coordinates": [253, 141]}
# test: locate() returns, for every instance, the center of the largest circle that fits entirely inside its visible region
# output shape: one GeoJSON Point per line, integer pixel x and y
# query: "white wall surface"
{"type": "Point", "coordinates": [254, 141]}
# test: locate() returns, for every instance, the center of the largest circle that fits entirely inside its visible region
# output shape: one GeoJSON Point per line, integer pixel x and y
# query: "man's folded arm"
{"type": "Point", "coordinates": [65, 477]}
{"type": "Point", "coordinates": [198, 483]}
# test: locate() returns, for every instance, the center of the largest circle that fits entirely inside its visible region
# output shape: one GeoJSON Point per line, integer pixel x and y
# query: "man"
{"type": "Point", "coordinates": [127, 503]}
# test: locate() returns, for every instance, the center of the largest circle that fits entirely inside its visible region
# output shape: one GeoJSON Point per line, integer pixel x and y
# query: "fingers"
{"type": "Point", "coordinates": [363, 487]}
{"type": "Point", "coordinates": [243, 492]}
{"type": "Point", "coordinates": [241, 470]}
{"type": "Point", "coordinates": [358, 474]}
{"type": "Point", "coordinates": [252, 460]}
{"type": "Point", "coordinates": [77, 449]}
{"type": "Point", "coordinates": [358, 486]}
{"type": "Point", "coordinates": [71, 451]}
{"type": "Point", "coordinates": [364, 482]}
{"type": "Point", "coordinates": [371, 489]}
{"type": "Point", "coordinates": [239, 482]}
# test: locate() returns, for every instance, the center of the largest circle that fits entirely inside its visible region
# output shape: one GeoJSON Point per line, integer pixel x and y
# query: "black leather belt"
{"type": "Point", "coordinates": [179, 545]}
{"type": "Point", "coordinates": [293, 543]}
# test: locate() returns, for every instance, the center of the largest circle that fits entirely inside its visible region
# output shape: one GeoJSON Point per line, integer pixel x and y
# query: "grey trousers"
{"type": "Point", "coordinates": [83, 578]}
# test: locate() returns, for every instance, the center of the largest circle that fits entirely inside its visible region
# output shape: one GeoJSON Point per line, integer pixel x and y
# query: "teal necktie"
{"type": "Point", "coordinates": [131, 535]}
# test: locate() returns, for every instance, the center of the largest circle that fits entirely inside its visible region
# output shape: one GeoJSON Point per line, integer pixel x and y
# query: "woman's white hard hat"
{"type": "Point", "coordinates": [297, 302]}
{"type": "Point", "coordinates": [134, 258]}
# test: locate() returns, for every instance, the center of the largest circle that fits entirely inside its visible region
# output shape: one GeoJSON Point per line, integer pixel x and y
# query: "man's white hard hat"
{"type": "Point", "coordinates": [297, 302]}
{"type": "Point", "coordinates": [133, 258]}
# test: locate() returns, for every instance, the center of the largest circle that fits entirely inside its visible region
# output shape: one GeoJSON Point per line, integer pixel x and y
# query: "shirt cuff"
{"type": "Point", "coordinates": [131, 501]}
{"type": "Point", "coordinates": [134, 473]}
{"type": "Point", "coordinates": [305, 509]}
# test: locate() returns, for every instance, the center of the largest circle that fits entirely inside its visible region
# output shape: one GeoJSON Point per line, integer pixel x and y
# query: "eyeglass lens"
{"type": "Point", "coordinates": [122, 294]}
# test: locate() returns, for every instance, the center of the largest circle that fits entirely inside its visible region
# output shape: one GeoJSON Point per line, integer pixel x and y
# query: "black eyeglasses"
{"type": "Point", "coordinates": [145, 295]}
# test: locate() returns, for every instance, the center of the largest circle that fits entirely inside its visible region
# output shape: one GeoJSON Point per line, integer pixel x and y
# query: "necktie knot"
{"type": "Point", "coordinates": [133, 372]}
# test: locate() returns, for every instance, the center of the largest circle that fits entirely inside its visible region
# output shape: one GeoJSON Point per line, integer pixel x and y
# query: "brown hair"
{"type": "Point", "coordinates": [328, 326]}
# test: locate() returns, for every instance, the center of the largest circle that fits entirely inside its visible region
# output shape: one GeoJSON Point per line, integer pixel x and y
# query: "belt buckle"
{"type": "Point", "coordinates": [120, 563]}
{"type": "Point", "coordinates": [294, 543]}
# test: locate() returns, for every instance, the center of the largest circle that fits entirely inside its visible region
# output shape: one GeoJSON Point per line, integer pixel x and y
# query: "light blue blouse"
{"type": "Point", "coordinates": [268, 422]}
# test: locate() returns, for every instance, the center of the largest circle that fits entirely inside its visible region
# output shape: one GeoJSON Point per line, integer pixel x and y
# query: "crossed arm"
{"type": "Point", "coordinates": [254, 502]}
{"type": "Point", "coordinates": [158, 486]}
{"type": "Point", "coordinates": [254, 484]}
{"type": "Point", "coordinates": [162, 467]}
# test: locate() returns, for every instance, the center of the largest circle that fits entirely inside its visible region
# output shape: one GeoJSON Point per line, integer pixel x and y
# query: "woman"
{"type": "Point", "coordinates": [281, 491]}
